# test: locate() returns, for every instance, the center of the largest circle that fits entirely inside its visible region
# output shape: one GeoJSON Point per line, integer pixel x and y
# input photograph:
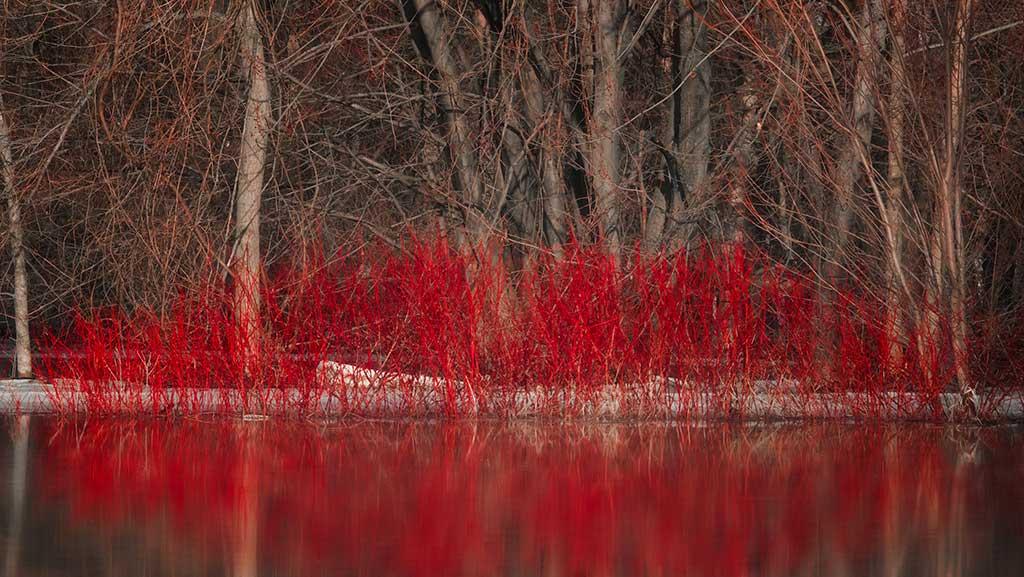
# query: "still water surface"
{"type": "Point", "coordinates": [419, 499]}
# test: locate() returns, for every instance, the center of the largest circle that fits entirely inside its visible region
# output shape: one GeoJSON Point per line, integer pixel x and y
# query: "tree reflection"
{"type": "Point", "coordinates": [423, 499]}
{"type": "Point", "coordinates": [18, 482]}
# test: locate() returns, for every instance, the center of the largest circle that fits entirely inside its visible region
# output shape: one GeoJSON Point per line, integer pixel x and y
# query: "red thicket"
{"type": "Point", "coordinates": [713, 325]}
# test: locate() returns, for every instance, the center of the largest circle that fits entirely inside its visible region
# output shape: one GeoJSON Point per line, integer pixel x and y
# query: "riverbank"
{"type": "Point", "coordinates": [411, 396]}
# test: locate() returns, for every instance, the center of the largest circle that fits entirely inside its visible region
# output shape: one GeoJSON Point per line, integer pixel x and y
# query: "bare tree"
{"type": "Point", "coordinates": [871, 35]}
{"type": "Point", "coordinates": [249, 179]}
{"type": "Point", "coordinates": [685, 130]}
{"type": "Point", "coordinates": [22, 344]}
{"type": "Point", "coordinates": [693, 129]}
{"type": "Point", "coordinates": [743, 158]}
{"type": "Point", "coordinates": [460, 135]}
{"type": "Point", "coordinates": [950, 277]}
{"type": "Point", "coordinates": [605, 22]}
{"type": "Point", "coordinates": [897, 289]}
{"type": "Point", "coordinates": [548, 118]}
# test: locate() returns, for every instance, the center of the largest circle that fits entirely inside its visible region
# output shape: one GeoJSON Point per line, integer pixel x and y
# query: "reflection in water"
{"type": "Point", "coordinates": [15, 517]}
{"type": "Point", "coordinates": [418, 499]}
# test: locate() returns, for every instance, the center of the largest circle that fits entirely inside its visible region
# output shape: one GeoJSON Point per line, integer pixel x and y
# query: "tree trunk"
{"type": "Point", "coordinates": [606, 18]}
{"type": "Point", "coordinates": [657, 214]}
{"type": "Point", "coordinates": [549, 122]}
{"type": "Point", "coordinates": [459, 132]}
{"type": "Point", "coordinates": [870, 42]}
{"type": "Point", "coordinates": [693, 131]}
{"type": "Point", "coordinates": [22, 343]}
{"type": "Point", "coordinates": [951, 193]}
{"type": "Point", "coordinates": [734, 229]}
{"type": "Point", "coordinates": [516, 182]}
{"type": "Point", "coordinates": [249, 185]}
{"type": "Point", "coordinates": [897, 305]}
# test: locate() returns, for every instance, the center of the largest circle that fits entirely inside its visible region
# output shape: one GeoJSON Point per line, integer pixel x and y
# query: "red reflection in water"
{"type": "Point", "coordinates": [488, 499]}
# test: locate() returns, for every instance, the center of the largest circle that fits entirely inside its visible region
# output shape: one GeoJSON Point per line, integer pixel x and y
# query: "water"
{"type": "Point", "coordinates": [418, 499]}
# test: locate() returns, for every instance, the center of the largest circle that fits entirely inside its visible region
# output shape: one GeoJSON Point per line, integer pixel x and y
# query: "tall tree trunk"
{"type": "Point", "coordinates": [606, 18]}
{"type": "Point", "coordinates": [685, 129]}
{"type": "Point", "coordinates": [249, 184]}
{"type": "Point", "coordinates": [870, 42]}
{"type": "Point", "coordinates": [549, 121]}
{"type": "Point", "coordinates": [693, 131]}
{"type": "Point", "coordinates": [951, 192]}
{"type": "Point", "coordinates": [735, 229]}
{"type": "Point", "coordinates": [657, 215]}
{"type": "Point", "coordinates": [517, 182]}
{"type": "Point", "coordinates": [556, 217]}
{"type": "Point", "coordinates": [897, 303]}
{"type": "Point", "coordinates": [552, 115]}
{"type": "Point", "coordinates": [460, 138]}
{"type": "Point", "coordinates": [22, 342]}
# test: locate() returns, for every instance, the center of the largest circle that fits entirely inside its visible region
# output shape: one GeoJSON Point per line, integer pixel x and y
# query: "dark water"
{"type": "Point", "coordinates": [190, 498]}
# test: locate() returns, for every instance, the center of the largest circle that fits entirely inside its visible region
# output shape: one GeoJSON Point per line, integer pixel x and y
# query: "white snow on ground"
{"type": "Point", "coordinates": [351, 390]}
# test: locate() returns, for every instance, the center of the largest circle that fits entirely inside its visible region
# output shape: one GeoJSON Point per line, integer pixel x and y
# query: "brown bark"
{"type": "Point", "coordinates": [871, 36]}
{"type": "Point", "coordinates": [951, 192]}
{"type": "Point", "coordinates": [693, 133]}
{"type": "Point", "coordinates": [685, 128]}
{"type": "Point", "coordinates": [945, 243]}
{"type": "Point", "coordinates": [249, 183]}
{"type": "Point", "coordinates": [515, 181]}
{"type": "Point", "coordinates": [460, 139]}
{"type": "Point", "coordinates": [604, 164]}
{"type": "Point", "coordinates": [898, 305]}
{"type": "Point", "coordinates": [22, 341]}
{"type": "Point", "coordinates": [657, 214]}
{"type": "Point", "coordinates": [734, 229]}
{"type": "Point", "coordinates": [549, 122]}
{"type": "Point", "coordinates": [560, 126]}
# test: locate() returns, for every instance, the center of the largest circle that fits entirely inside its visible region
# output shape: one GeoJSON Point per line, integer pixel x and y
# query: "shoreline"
{"type": "Point", "coordinates": [422, 397]}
